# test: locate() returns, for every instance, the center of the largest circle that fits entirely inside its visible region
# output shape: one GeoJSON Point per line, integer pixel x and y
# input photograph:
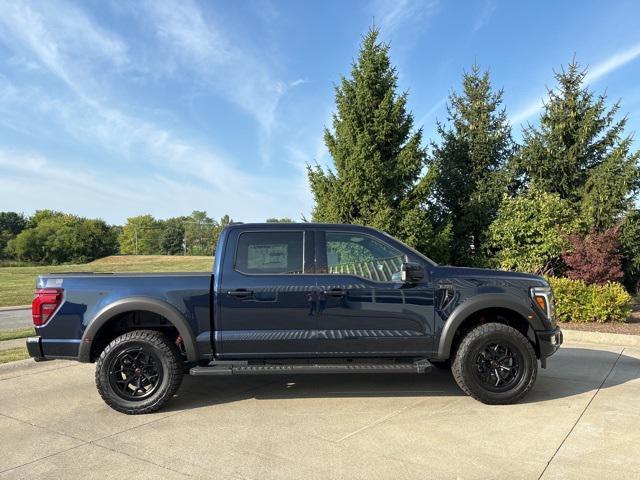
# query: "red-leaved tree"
{"type": "Point", "coordinates": [595, 257]}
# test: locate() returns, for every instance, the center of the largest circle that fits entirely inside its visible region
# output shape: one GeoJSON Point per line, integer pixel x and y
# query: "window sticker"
{"type": "Point", "coordinates": [267, 257]}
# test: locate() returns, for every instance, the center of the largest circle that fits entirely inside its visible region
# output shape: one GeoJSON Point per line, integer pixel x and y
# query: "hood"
{"type": "Point", "coordinates": [466, 272]}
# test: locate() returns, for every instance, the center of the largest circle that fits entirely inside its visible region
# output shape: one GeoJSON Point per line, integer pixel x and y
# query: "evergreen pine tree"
{"type": "Point", "coordinates": [579, 151]}
{"type": "Point", "coordinates": [470, 165]}
{"type": "Point", "coordinates": [377, 155]}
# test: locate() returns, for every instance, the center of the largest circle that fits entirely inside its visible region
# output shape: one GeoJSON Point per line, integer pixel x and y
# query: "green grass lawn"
{"type": "Point", "coordinates": [19, 333]}
{"type": "Point", "coordinates": [17, 283]}
{"type": "Point", "coordinates": [13, 354]}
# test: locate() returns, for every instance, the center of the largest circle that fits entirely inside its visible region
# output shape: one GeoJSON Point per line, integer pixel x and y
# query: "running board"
{"type": "Point", "coordinates": [420, 366]}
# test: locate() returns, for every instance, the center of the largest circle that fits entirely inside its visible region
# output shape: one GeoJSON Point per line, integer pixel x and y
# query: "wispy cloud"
{"type": "Point", "coordinates": [53, 36]}
{"type": "Point", "coordinates": [528, 111]}
{"type": "Point", "coordinates": [600, 70]}
{"type": "Point", "coordinates": [227, 63]}
{"type": "Point", "coordinates": [391, 15]}
{"type": "Point", "coordinates": [75, 56]}
{"type": "Point", "coordinates": [33, 164]}
{"type": "Point", "coordinates": [612, 63]}
{"type": "Point", "coordinates": [432, 111]}
{"type": "Point", "coordinates": [488, 7]}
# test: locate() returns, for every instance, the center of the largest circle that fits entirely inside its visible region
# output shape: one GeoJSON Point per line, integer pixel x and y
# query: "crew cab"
{"type": "Point", "coordinates": [298, 298]}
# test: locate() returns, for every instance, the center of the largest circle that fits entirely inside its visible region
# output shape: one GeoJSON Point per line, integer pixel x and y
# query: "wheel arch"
{"type": "Point", "coordinates": [468, 312]}
{"type": "Point", "coordinates": [143, 304]}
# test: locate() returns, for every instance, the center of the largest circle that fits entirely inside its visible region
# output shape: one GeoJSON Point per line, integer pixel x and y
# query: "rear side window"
{"type": "Point", "coordinates": [270, 253]}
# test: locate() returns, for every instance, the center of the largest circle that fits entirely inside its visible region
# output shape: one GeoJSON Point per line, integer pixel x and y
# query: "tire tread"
{"type": "Point", "coordinates": [167, 349]}
{"type": "Point", "coordinates": [483, 331]}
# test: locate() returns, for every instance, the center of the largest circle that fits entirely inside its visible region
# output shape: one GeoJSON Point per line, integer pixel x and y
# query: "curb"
{"type": "Point", "coordinates": [601, 338]}
{"type": "Point", "coordinates": [10, 366]}
{"type": "Point", "coordinates": [16, 307]}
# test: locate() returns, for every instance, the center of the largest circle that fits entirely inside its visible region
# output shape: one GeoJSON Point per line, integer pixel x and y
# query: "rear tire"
{"type": "Point", "coordinates": [495, 364]}
{"type": "Point", "coordinates": [139, 372]}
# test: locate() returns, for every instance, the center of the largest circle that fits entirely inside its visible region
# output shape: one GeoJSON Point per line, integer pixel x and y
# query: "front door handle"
{"type": "Point", "coordinates": [335, 292]}
{"type": "Point", "coordinates": [240, 293]}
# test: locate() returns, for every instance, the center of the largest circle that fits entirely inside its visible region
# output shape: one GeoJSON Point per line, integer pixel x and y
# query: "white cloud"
{"type": "Point", "coordinates": [391, 15]}
{"type": "Point", "coordinates": [435, 108]}
{"type": "Point", "coordinates": [54, 31]}
{"type": "Point", "coordinates": [28, 169]}
{"type": "Point", "coordinates": [74, 49]}
{"type": "Point", "coordinates": [227, 63]}
{"type": "Point", "coordinates": [613, 63]}
{"type": "Point", "coordinates": [527, 111]}
{"type": "Point", "coordinates": [488, 7]}
{"type": "Point", "coordinates": [600, 70]}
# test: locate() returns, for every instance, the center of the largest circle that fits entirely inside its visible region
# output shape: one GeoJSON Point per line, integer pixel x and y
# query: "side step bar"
{"type": "Point", "coordinates": [228, 368]}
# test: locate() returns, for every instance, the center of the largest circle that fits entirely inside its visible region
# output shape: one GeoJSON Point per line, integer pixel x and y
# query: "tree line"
{"type": "Point", "coordinates": [559, 202]}
{"type": "Point", "coordinates": [50, 237]}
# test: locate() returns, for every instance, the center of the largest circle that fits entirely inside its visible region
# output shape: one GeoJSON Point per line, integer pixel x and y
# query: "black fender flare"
{"type": "Point", "coordinates": [481, 302]}
{"type": "Point", "coordinates": [138, 303]}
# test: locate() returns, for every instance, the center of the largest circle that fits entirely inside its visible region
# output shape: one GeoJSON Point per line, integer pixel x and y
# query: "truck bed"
{"type": "Point", "coordinates": [86, 295]}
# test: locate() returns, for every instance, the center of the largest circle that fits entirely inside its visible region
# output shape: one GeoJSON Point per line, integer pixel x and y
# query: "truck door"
{"type": "Point", "coordinates": [364, 308]}
{"type": "Point", "coordinates": [267, 294]}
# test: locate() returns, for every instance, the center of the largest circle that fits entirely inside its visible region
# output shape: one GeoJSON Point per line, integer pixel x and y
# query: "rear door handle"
{"type": "Point", "coordinates": [240, 293]}
{"type": "Point", "coordinates": [335, 292]}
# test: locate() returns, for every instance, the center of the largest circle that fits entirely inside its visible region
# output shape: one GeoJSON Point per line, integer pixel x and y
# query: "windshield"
{"type": "Point", "coordinates": [413, 250]}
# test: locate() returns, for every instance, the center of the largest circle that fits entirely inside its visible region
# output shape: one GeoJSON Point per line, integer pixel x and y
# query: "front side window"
{"type": "Point", "coordinates": [362, 255]}
{"type": "Point", "coordinates": [270, 253]}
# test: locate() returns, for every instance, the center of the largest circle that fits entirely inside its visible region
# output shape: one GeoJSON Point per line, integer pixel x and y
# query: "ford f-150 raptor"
{"type": "Point", "coordinates": [298, 298]}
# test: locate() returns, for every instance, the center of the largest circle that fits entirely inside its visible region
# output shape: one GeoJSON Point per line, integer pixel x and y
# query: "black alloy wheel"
{"type": "Point", "coordinates": [498, 366]}
{"type": "Point", "coordinates": [135, 373]}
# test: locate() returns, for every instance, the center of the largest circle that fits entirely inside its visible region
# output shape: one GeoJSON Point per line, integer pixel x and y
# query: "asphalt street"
{"type": "Point", "coordinates": [12, 319]}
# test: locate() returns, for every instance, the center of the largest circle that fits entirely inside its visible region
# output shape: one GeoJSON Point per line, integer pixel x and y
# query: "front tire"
{"type": "Point", "coordinates": [139, 372]}
{"type": "Point", "coordinates": [495, 364]}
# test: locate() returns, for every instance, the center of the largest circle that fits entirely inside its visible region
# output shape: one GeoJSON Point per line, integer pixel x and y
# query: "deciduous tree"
{"type": "Point", "coordinates": [530, 232]}
{"type": "Point", "coordinates": [595, 257]}
{"type": "Point", "coordinates": [140, 236]}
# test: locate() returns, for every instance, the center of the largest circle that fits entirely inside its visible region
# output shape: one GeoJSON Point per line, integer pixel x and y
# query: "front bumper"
{"type": "Point", "coordinates": [549, 342]}
{"type": "Point", "coordinates": [34, 347]}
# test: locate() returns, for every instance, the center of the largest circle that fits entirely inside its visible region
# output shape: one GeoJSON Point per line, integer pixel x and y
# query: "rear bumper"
{"type": "Point", "coordinates": [549, 342]}
{"type": "Point", "coordinates": [34, 347]}
{"type": "Point", "coordinates": [48, 349]}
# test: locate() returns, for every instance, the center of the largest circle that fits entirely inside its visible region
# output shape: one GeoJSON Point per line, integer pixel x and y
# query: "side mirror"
{"type": "Point", "coordinates": [411, 272]}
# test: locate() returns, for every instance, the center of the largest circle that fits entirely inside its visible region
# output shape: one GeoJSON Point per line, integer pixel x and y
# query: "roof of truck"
{"type": "Point", "coordinates": [298, 225]}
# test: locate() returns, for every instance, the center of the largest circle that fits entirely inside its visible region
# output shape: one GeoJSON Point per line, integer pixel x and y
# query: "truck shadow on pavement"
{"type": "Point", "coordinates": [571, 372]}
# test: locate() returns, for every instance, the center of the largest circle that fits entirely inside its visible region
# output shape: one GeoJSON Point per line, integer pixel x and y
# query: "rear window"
{"type": "Point", "coordinates": [270, 253]}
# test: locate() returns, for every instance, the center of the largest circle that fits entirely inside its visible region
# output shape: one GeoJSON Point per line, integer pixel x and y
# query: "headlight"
{"type": "Point", "coordinates": [543, 297]}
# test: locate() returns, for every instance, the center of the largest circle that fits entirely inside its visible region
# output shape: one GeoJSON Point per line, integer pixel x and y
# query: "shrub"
{"type": "Point", "coordinates": [530, 231]}
{"type": "Point", "coordinates": [595, 257]}
{"type": "Point", "coordinates": [578, 302]}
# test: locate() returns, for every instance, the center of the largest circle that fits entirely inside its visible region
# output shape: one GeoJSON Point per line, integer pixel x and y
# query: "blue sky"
{"type": "Point", "coordinates": [111, 109]}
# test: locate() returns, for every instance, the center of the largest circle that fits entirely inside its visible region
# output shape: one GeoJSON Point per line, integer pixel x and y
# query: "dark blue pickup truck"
{"type": "Point", "coordinates": [298, 298]}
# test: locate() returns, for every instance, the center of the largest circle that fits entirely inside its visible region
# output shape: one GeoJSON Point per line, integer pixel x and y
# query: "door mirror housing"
{"type": "Point", "coordinates": [411, 272]}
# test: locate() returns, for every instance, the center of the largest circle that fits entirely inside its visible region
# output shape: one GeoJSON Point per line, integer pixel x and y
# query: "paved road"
{"type": "Point", "coordinates": [12, 319]}
{"type": "Point", "coordinates": [581, 421]}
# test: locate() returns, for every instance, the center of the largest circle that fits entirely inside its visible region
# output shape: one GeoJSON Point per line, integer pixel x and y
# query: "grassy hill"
{"type": "Point", "coordinates": [17, 283]}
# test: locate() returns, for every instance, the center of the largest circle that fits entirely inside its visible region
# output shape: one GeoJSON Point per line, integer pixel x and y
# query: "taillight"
{"type": "Point", "coordinates": [45, 303]}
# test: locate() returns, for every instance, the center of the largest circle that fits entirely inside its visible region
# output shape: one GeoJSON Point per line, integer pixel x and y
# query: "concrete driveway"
{"type": "Point", "coordinates": [582, 420]}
